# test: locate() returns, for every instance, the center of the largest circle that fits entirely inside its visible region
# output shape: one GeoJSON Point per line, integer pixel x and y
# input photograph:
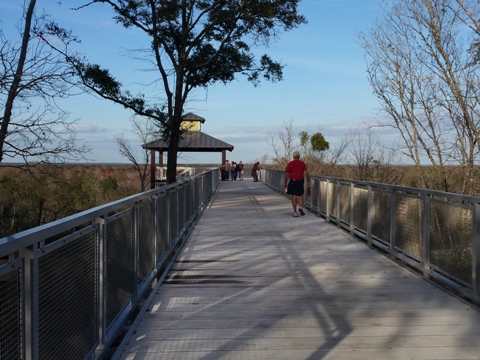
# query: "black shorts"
{"type": "Point", "coordinates": [296, 187]}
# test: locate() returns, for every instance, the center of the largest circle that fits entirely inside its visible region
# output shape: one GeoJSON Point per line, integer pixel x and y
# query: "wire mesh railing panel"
{"type": "Point", "coordinates": [380, 215]}
{"type": "Point", "coordinates": [314, 192]}
{"type": "Point", "coordinates": [332, 196]}
{"type": "Point", "coordinates": [146, 239]}
{"type": "Point", "coordinates": [11, 339]}
{"type": "Point", "coordinates": [360, 208]}
{"type": "Point", "coordinates": [323, 196]}
{"type": "Point", "coordinates": [119, 266]}
{"type": "Point", "coordinates": [68, 299]}
{"type": "Point", "coordinates": [173, 210]}
{"type": "Point", "coordinates": [451, 239]}
{"type": "Point", "coordinates": [163, 231]}
{"type": "Point", "coordinates": [408, 225]}
{"type": "Point", "coordinates": [181, 200]}
{"type": "Point", "coordinates": [191, 200]}
{"type": "Point", "coordinates": [196, 189]}
{"type": "Point", "coordinates": [199, 186]}
{"type": "Point", "coordinates": [344, 205]}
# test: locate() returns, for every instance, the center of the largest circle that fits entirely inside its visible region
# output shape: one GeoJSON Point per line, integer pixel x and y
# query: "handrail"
{"type": "Point", "coordinates": [68, 287]}
{"type": "Point", "coordinates": [435, 233]}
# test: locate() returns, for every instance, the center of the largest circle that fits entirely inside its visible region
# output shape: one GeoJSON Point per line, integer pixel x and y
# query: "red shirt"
{"type": "Point", "coordinates": [296, 168]}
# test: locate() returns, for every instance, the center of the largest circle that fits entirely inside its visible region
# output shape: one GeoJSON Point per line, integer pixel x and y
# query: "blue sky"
{"type": "Point", "coordinates": [325, 87]}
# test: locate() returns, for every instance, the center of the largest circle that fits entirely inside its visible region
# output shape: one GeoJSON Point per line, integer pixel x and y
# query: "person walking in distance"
{"type": "Point", "coordinates": [255, 169]}
{"type": "Point", "coordinates": [295, 175]}
{"type": "Point", "coordinates": [240, 170]}
{"type": "Point", "coordinates": [233, 170]}
{"type": "Point", "coordinates": [227, 170]}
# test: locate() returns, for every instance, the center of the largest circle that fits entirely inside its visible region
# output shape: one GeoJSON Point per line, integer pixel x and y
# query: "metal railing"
{"type": "Point", "coordinates": [68, 287]}
{"type": "Point", "coordinates": [435, 233]}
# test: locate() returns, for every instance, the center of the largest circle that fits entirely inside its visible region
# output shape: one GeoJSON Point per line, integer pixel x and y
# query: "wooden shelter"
{"type": "Point", "coordinates": [193, 140]}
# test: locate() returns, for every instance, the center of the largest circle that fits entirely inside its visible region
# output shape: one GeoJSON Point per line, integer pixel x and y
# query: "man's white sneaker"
{"type": "Point", "coordinates": [295, 214]}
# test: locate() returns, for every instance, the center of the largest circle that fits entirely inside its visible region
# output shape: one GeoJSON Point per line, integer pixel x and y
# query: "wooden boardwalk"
{"type": "Point", "coordinates": [253, 282]}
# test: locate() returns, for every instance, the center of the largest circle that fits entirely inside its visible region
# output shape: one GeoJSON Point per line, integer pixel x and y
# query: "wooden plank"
{"type": "Point", "coordinates": [252, 282]}
{"type": "Point", "coordinates": [303, 321]}
{"type": "Point", "coordinates": [320, 353]}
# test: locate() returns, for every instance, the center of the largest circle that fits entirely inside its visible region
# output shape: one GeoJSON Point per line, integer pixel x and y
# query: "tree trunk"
{"type": "Point", "coordinates": [172, 156]}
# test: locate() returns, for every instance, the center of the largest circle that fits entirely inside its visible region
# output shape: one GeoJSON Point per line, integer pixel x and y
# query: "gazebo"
{"type": "Point", "coordinates": [193, 140]}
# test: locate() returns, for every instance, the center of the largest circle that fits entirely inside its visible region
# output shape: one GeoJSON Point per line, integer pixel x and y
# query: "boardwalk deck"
{"type": "Point", "coordinates": [253, 282]}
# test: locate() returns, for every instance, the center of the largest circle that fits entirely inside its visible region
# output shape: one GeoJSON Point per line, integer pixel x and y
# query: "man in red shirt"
{"type": "Point", "coordinates": [295, 175]}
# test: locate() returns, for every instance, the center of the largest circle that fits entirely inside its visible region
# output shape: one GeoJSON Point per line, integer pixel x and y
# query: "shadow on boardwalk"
{"type": "Point", "coordinates": [253, 282]}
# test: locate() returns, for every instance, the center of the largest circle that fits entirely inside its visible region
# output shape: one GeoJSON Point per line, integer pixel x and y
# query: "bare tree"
{"type": "Point", "coordinates": [364, 146]}
{"type": "Point", "coordinates": [423, 75]}
{"type": "Point", "coordinates": [32, 76]}
{"type": "Point", "coordinates": [145, 131]}
{"type": "Point", "coordinates": [283, 152]}
{"type": "Point", "coordinates": [372, 160]}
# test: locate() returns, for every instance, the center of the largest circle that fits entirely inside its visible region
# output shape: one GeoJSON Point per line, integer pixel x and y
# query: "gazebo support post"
{"type": "Point", "coordinates": [224, 156]}
{"type": "Point", "coordinates": [160, 162]}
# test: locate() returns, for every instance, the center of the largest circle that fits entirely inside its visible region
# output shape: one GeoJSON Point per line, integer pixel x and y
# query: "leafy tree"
{"type": "Point", "coordinates": [319, 143]}
{"type": "Point", "coordinates": [108, 185]}
{"type": "Point", "coordinates": [194, 44]}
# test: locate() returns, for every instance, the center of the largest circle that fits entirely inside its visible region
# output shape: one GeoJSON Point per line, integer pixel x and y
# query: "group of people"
{"type": "Point", "coordinates": [232, 170]}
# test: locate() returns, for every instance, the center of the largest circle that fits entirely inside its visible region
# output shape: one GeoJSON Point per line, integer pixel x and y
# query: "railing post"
{"type": "Point", "coordinates": [476, 253]}
{"type": "Point", "coordinates": [31, 302]}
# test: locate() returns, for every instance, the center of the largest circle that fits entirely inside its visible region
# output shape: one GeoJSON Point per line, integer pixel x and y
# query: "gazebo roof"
{"type": "Point", "coordinates": [193, 117]}
{"type": "Point", "coordinates": [192, 141]}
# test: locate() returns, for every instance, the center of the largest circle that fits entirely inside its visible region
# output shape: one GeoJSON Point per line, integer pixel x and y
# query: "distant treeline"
{"type": "Point", "coordinates": [35, 196]}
